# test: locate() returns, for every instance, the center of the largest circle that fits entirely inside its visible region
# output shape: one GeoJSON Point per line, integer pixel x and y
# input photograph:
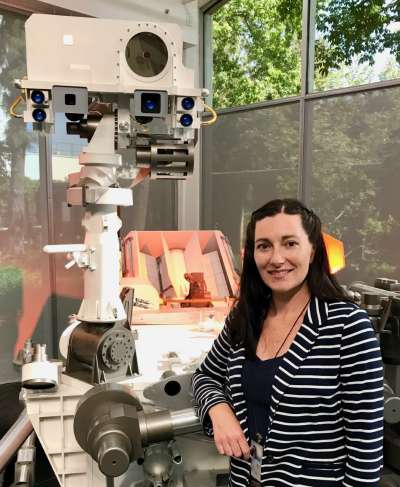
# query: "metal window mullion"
{"type": "Point", "coordinates": [46, 176]}
{"type": "Point", "coordinates": [305, 169]}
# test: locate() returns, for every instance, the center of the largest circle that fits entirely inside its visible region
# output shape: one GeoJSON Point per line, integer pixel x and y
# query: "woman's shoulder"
{"type": "Point", "coordinates": [346, 311]}
{"type": "Point", "coordinates": [343, 309]}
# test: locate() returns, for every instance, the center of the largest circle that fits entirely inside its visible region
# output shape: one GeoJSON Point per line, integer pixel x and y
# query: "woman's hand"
{"type": "Point", "coordinates": [228, 434]}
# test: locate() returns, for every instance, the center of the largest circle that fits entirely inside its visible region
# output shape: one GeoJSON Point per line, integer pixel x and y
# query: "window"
{"type": "Point", "coordinates": [255, 50]}
{"type": "Point", "coordinates": [356, 173]}
{"type": "Point", "coordinates": [249, 157]}
{"type": "Point", "coordinates": [25, 308]}
{"type": "Point", "coordinates": [355, 43]}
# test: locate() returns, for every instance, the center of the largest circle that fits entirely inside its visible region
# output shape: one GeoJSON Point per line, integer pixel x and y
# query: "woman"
{"type": "Point", "coordinates": [292, 387]}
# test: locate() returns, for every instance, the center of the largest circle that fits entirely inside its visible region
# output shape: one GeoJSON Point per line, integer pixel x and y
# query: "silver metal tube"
{"type": "Point", "coordinates": [25, 464]}
{"type": "Point", "coordinates": [165, 425]}
{"type": "Point", "coordinates": [185, 421]}
{"type": "Point", "coordinates": [14, 438]}
{"type": "Point", "coordinates": [364, 288]}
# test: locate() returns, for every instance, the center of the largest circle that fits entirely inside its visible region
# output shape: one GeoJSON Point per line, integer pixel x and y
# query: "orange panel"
{"type": "Point", "coordinates": [335, 250]}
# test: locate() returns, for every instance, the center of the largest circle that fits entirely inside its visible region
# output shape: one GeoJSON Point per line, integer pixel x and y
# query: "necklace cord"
{"type": "Point", "coordinates": [291, 328]}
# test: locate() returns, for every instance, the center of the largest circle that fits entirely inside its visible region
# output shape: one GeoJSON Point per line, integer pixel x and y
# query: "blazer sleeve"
{"type": "Point", "coordinates": [361, 377]}
{"type": "Point", "coordinates": [208, 381]}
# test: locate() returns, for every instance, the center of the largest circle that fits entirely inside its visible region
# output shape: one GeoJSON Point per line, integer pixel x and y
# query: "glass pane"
{"type": "Point", "coordinates": [154, 207]}
{"type": "Point", "coordinates": [25, 296]}
{"type": "Point", "coordinates": [356, 176]}
{"type": "Point", "coordinates": [255, 51]}
{"type": "Point", "coordinates": [355, 43]}
{"type": "Point", "coordinates": [249, 157]}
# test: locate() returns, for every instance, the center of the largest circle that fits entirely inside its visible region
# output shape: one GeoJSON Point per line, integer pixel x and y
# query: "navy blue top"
{"type": "Point", "coordinates": [257, 379]}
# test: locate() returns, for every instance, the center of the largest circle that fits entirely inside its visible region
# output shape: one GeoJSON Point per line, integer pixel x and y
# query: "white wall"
{"type": "Point", "coordinates": [185, 13]}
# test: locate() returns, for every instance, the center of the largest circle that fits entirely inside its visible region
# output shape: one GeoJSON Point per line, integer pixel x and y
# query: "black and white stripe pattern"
{"type": "Point", "coordinates": [326, 414]}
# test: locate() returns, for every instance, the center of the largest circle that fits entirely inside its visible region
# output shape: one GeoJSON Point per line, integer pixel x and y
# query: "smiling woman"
{"type": "Point", "coordinates": [282, 252]}
{"type": "Point", "coordinates": [292, 389]}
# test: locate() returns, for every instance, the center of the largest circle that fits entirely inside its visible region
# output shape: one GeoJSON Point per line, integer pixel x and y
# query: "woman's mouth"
{"type": "Point", "coordinates": [279, 273]}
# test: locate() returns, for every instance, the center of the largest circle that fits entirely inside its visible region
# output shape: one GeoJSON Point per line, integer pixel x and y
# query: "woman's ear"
{"type": "Point", "coordinates": [312, 255]}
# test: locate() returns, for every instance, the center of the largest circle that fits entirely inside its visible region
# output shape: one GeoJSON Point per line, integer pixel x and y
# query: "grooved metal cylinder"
{"type": "Point", "coordinates": [113, 455]}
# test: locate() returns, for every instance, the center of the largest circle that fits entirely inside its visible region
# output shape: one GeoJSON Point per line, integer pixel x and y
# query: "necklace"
{"type": "Point", "coordinates": [291, 328]}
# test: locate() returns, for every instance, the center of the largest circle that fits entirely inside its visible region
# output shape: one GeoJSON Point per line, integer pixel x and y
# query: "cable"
{"type": "Point", "coordinates": [14, 105]}
{"type": "Point", "coordinates": [214, 116]}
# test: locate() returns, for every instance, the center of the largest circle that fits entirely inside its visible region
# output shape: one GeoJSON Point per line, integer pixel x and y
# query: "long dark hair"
{"type": "Point", "coordinates": [246, 318]}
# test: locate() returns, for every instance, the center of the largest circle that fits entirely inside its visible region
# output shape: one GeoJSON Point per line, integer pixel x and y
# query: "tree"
{"type": "Point", "coordinates": [16, 138]}
{"type": "Point", "coordinates": [256, 46]}
{"type": "Point", "coordinates": [355, 28]}
{"type": "Point", "coordinates": [256, 53]}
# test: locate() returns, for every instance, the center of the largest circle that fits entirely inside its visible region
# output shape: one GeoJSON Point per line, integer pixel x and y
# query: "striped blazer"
{"type": "Point", "coordinates": [326, 412]}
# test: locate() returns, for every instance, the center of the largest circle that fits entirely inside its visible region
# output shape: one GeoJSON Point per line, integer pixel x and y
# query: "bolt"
{"type": "Point", "coordinates": [39, 354]}
{"type": "Point", "coordinates": [123, 126]}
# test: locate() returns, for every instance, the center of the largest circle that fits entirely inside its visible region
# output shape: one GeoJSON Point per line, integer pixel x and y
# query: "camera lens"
{"type": "Point", "coordinates": [70, 99]}
{"type": "Point", "coordinates": [39, 115]}
{"type": "Point", "coordinates": [187, 103]}
{"type": "Point", "coordinates": [186, 120]}
{"type": "Point", "coordinates": [37, 97]}
{"type": "Point", "coordinates": [151, 103]}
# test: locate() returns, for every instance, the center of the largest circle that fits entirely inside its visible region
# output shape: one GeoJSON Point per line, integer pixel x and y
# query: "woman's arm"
{"type": "Point", "coordinates": [212, 405]}
{"type": "Point", "coordinates": [361, 376]}
{"type": "Point", "coordinates": [208, 381]}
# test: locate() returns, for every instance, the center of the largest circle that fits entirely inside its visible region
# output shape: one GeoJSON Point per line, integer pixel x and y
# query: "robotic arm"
{"type": "Point", "coordinates": [122, 86]}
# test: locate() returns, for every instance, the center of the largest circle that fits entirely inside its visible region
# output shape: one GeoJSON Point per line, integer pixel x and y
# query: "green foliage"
{"type": "Point", "coordinates": [15, 207]}
{"type": "Point", "coordinates": [256, 47]}
{"type": "Point", "coordinates": [10, 279]}
{"type": "Point", "coordinates": [355, 28]}
{"type": "Point", "coordinates": [256, 52]}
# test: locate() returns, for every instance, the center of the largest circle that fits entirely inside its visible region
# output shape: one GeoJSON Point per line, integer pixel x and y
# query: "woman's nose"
{"type": "Point", "coordinates": [277, 256]}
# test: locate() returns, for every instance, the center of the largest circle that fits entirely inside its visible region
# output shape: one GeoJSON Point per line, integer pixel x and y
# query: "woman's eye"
{"type": "Point", "coordinates": [262, 246]}
{"type": "Point", "coordinates": [291, 243]}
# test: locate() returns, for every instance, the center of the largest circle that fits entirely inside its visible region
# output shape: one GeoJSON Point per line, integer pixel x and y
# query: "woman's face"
{"type": "Point", "coordinates": [282, 252]}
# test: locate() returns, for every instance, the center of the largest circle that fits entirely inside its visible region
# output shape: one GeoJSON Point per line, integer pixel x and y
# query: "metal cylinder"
{"type": "Point", "coordinates": [85, 340]}
{"type": "Point", "coordinates": [362, 288]}
{"type": "Point", "coordinates": [164, 425]}
{"type": "Point", "coordinates": [39, 353]}
{"type": "Point", "coordinates": [14, 438]}
{"type": "Point", "coordinates": [155, 427]}
{"type": "Point", "coordinates": [113, 455]}
{"type": "Point", "coordinates": [371, 302]}
{"type": "Point", "coordinates": [25, 464]}
{"type": "Point", "coordinates": [185, 421]}
{"type": "Point", "coordinates": [169, 161]}
{"type": "Point", "coordinates": [163, 153]}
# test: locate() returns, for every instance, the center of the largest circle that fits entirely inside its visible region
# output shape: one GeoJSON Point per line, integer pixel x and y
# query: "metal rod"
{"type": "Point", "coordinates": [14, 438]}
{"type": "Point", "coordinates": [185, 421]}
{"type": "Point", "coordinates": [110, 481]}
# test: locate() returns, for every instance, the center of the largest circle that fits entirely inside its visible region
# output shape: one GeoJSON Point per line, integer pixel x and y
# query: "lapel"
{"type": "Point", "coordinates": [237, 359]}
{"type": "Point", "coordinates": [315, 315]}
